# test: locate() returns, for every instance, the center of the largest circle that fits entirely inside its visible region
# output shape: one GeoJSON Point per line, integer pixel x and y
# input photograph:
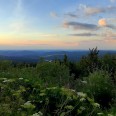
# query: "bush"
{"type": "Point", "coordinates": [100, 86]}
{"type": "Point", "coordinates": [53, 73]}
{"type": "Point", "coordinates": [65, 102]}
{"type": "Point", "coordinates": [20, 97]}
{"type": "Point", "coordinates": [5, 64]}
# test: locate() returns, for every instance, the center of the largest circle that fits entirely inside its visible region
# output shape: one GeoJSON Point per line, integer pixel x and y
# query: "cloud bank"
{"type": "Point", "coordinates": [89, 11]}
{"type": "Point", "coordinates": [84, 34]}
{"type": "Point", "coordinates": [80, 26]}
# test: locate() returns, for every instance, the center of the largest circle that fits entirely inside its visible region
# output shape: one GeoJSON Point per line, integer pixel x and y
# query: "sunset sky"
{"type": "Point", "coordinates": [57, 24]}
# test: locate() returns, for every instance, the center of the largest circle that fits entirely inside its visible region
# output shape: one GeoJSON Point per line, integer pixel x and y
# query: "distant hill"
{"type": "Point", "coordinates": [35, 55]}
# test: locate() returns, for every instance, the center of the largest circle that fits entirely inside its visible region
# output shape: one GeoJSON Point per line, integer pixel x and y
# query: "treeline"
{"type": "Point", "coordinates": [92, 62]}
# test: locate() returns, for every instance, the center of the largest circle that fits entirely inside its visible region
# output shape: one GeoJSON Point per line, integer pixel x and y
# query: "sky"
{"type": "Point", "coordinates": [57, 24]}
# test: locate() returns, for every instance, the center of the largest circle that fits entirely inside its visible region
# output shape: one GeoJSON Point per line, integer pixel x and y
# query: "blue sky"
{"type": "Point", "coordinates": [57, 24]}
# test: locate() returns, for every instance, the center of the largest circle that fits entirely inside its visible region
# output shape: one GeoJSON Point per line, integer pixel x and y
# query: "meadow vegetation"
{"type": "Point", "coordinates": [60, 87]}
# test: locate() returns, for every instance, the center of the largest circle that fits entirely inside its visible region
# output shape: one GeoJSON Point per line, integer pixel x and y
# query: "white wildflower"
{"type": "Point", "coordinates": [84, 82]}
{"type": "Point", "coordinates": [28, 105]}
{"type": "Point", "coordinates": [28, 102]}
{"type": "Point", "coordinates": [41, 101]}
{"type": "Point", "coordinates": [5, 81]}
{"type": "Point", "coordinates": [36, 114]}
{"type": "Point", "coordinates": [81, 94]}
{"type": "Point", "coordinates": [82, 99]}
{"type": "Point", "coordinates": [40, 113]}
{"type": "Point", "coordinates": [99, 113]}
{"type": "Point", "coordinates": [10, 80]}
{"type": "Point", "coordinates": [82, 108]}
{"type": "Point", "coordinates": [96, 105]}
{"type": "Point", "coordinates": [19, 109]}
{"type": "Point", "coordinates": [72, 90]}
{"type": "Point", "coordinates": [20, 78]}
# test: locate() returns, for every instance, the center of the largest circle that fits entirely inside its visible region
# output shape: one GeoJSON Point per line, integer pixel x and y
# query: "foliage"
{"type": "Point", "coordinates": [59, 88]}
{"type": "Point", "coordinates": [20, 97]}
{"type": "Point", "coordinates": [53, 73]}
{"type": "Point", "coordinates": [109, 64]}
{"type": "Point", "coordinates": [100, 86]}
{"type": "Point", "coordinates": [62, 101]}
{"type": "Point", "coordinates": [5, 64]}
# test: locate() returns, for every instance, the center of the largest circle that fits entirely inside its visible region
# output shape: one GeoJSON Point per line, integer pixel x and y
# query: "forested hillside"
{"type": "Point", "coordinates": [34, 56]}
{"type": "Point", "coordinates": [60, 87]}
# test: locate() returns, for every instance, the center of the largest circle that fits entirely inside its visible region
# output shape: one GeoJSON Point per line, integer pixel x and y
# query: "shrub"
{"type": "Point", "coordinates": [53, 73]}
{"type": "Point", "coordinates": [20, 97]}
{"type": "Point", "coordinates": [100, 86]}
{"type": "Point", "coordinates": [5, 64]}
{"type": "Point", "coordinates": [65, 102]}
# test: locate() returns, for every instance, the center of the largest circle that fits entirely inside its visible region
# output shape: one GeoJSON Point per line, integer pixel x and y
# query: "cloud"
{"type": "Point", "coordinates": [53, 14]}
{"type": "Point", "coordinates": [80, 26]}
{"type": "Point", "coordinates": [112, 1]}
{"type": "Point", "coordinates": [72, 15]}
{"type": "Point", "coordinates": [84, 34]}
{"type": "Point", "coordinates": [89, 11]}
{"type": "Point", "coordinates": [110, 37]}
{"type": "Point", "coordinates": [103, 23]}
